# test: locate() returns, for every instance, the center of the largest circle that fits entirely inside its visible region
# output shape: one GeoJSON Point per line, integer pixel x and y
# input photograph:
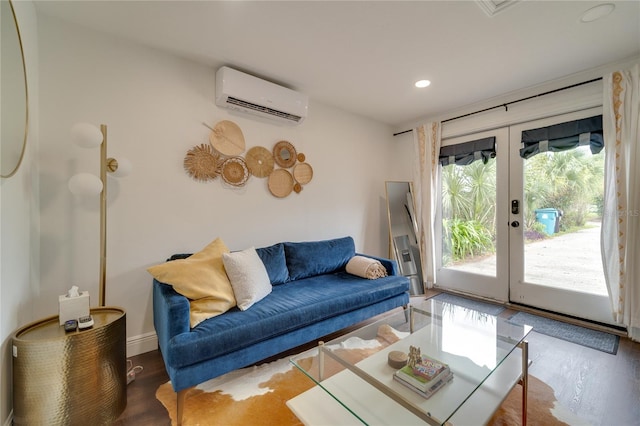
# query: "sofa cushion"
{"type": "Point", "coordinates": [307, 259]}
{"type": "Point", "coordinates": [202, 279]}
{"type": "Point", "coordinates": [248, 276]}
{"type": "Point", "coordinates": [289, 306]}
{"type": "Point", "coordinates": [274, 261]}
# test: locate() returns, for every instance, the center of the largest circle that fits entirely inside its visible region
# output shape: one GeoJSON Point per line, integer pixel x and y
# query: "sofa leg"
{"type": "Point", "coordinates": [406, 312]}
{"type": "Point", "coordinates": [180, 409]}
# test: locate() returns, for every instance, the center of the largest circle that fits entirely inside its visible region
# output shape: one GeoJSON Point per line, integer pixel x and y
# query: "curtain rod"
{"type": "Point", "coordinates": [506, 105]}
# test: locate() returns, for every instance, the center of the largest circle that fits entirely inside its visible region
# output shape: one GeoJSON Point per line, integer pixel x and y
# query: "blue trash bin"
{"type": "Point", "coordinates": [548, 218]}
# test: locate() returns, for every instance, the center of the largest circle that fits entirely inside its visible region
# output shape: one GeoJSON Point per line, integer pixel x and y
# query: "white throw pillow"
{"type": "Point", "coordinates": [248, 276]}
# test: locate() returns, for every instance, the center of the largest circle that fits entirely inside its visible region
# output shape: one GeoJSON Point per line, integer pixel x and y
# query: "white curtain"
{"type": "Point", "coordinates": [621, 218]}
{"type": "Point", "coordinates": [425, 185]}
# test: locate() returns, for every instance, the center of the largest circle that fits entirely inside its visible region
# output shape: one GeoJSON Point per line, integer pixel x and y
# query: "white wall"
{"type": "Point", "coordinates": [19, 221]}
{"type": "Point", "coordinates": [154, 105]}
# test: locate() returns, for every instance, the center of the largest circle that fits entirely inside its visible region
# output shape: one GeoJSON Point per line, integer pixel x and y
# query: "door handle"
{"type": "Point", "coordinates": [515, 224]}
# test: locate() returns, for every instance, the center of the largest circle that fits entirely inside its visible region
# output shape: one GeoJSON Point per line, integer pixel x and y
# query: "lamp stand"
{"type": "Point", "coordinates": [103, 216]}
{"type": "Point", "coordinates": [106, 165]}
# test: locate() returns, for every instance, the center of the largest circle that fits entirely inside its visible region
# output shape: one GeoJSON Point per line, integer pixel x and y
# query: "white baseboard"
{"type": "Point", "coordinates": [142, 343]}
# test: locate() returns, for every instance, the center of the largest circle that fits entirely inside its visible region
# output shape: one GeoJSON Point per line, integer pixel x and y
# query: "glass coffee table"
{"type": "Point", "coordinates": [487, 355]}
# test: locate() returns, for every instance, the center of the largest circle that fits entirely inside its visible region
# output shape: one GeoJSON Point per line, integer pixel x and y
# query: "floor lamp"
{"type": "Point", "coordinates": [84, 184]}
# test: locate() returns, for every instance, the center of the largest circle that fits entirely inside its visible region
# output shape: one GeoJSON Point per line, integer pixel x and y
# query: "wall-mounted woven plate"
{"type": "Point", "coordinates": [202, 163]}
{"type": "Point", "coordinates": [284, 154]}
{"type": "Point", "coordinates": [260, 161]}
{"type": "Point", "coordinates": [280, 183]}
{"type": "Point", "coordinates": [303, 173]}
{"type": "Point", "coordinates": [235, 171]}
{"type": "Point", "coordinates": [227, 138]}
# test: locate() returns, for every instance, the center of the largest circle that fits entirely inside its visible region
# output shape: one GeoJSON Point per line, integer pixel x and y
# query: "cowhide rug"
{"type": "Point", "coordinates": [257, 395]}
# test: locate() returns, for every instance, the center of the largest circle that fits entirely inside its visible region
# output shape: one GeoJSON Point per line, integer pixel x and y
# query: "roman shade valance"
{"type": "Point", "coordinates": [466, 153]}
{"type": "Point", "coordinates": [563, 137]}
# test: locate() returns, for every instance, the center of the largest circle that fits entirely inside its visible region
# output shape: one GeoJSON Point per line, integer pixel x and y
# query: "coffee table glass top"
{"type": "Point", "coordinates": [472, 343]}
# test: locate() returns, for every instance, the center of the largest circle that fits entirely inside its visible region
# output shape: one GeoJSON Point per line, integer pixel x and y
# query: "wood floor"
{"type": "Point", "coordinates": [599, 388]}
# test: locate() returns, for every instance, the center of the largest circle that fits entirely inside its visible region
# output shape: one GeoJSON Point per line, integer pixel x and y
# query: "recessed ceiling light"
{"type": "Point", "coordinates": [422, 83]}
{"type": "Point", "coordinates": [597, 12]}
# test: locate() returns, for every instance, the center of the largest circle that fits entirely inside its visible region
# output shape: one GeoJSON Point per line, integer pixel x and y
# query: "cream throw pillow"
{"type": "Point", "coordinates": [202, 279]}
{"type": "Point", "coordinates": [248, 276]}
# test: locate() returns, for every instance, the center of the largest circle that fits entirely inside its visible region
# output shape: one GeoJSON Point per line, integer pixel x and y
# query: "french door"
{"type": "Point", "coordinates": [473, 255]}
{"type": "Point", "coordinates": [544, 250]}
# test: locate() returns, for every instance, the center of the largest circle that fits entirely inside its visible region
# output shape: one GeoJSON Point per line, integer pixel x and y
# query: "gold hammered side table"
{"type": "Point", "coordinates": [79, 377]}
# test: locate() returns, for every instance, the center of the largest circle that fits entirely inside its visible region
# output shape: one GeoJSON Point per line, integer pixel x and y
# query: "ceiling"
{"type": "Point", "coordinates": [364, 56]}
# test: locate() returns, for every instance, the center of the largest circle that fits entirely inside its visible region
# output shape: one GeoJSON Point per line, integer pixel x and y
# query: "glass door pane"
{"type": "Point", "coordinates": [472, 248]}
{"type": "Point", "coordinates": [469, 217]}
{"type": "Point", "coordinates": [563, 194]}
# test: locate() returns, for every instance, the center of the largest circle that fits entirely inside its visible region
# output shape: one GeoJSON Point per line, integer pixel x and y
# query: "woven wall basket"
{"type": "Point", "coordinates": [303, 173]}
{"type": "Point", "coordinates": [202, 163]}
{"type": "Point", "coordinates": [227, 138]}
{"type": "Point", "coordinates": [235, 171]}
{"type": "Point", "coordinates": [260, 161]}
{"type": "Point", "coordinates": [280, 183]}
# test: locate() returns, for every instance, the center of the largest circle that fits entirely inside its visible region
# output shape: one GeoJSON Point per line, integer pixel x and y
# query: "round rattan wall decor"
{"type": "Point", "coordinates": [235, 171]}
{"type": "Point", "coordinates": [284, 154]}
{"type": "Point", "coordinates": [260, 161]}
{"type": "Point", "coordinates": [303, 173]}
{"type": "Point", "coordinates": [280, 183]}
{"type": "Point", "coordinates": [227, 138]}
{"type": "Point", "coordinates": [202, 163]}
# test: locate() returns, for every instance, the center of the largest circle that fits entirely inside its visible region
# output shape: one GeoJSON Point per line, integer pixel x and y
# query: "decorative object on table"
{"type": "Point", "coordinates": [260, 161]}
{"type": "Point", "coordinates": [82, 184]}
{"type": "Point", "coordinates": [202, 163]}
{"type": "Point", "coordinates": [73, 305]}
{"type": "Point", "coordinates": [235, 171]}
{"type": "Point", "coordinates": [284, 154]}
{"type": "Point", "coordinates": [397, 359]}
{"type": "Point", "coordinates": [414, 356]}
{"type": "Point", "coordinates": [280, 183]}
{"type": "Point", "coordinates": [423, 374]}
{"type": "Point", "coordinates": [227, 138]}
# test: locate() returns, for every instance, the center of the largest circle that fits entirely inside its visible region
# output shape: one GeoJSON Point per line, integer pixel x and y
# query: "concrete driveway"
{"type": "Point", "coordinates": [571, 261]}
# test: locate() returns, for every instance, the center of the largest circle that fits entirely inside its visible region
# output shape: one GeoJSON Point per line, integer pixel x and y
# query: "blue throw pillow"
{"type": "Point", "coordinates": [308, 259]}
{"type": "Point", "coordinates": [274, 261]}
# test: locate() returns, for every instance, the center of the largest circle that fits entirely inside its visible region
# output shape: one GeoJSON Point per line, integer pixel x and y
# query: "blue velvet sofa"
{"type": "Point", "coordinates": [312, 296]}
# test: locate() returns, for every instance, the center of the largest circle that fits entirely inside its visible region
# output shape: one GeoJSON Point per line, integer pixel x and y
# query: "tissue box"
{"type": "Point", "coordinates": [73, 307]}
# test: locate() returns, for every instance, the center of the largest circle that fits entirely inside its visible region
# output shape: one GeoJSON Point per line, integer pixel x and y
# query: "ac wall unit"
{"type": "Point", "coordinates": [243, 92]}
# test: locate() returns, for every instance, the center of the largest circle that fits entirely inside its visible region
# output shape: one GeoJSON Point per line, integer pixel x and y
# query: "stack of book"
{"type": "Point", "coordinates": [426, 377]}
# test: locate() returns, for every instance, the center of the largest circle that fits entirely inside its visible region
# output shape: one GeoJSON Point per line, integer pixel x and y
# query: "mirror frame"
{"type": "Point", "coordinates": [417, 288]}
{"type": "Point", "coordinates": [26, 94]}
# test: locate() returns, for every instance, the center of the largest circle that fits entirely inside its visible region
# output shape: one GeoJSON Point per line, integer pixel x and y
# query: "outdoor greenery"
{"type": "Point", "coordinates": [570, 182]}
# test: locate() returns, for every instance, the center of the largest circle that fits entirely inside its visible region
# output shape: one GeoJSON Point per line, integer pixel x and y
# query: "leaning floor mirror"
{"type": "Point", "coordinates": [403, 228]}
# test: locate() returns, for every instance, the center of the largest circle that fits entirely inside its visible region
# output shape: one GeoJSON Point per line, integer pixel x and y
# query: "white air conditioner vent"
{"type": "Point", "coordinates": [263, 109]}
{"type": "Point", "coordinates": [243, 92]}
